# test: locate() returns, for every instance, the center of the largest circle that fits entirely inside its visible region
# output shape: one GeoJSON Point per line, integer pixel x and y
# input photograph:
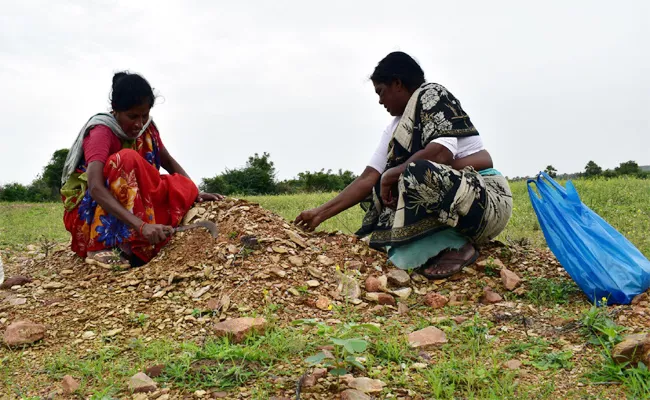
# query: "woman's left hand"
{"type": "Point", "coordinates": [208, 197]}
{"type": "Point", "coordinates": [388, 181]}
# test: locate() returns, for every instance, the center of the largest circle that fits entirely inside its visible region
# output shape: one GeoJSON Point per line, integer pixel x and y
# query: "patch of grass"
{"type": "Point", "coordinates": [548, 292]}
{"type": "Point", "coordinates": [600, 327]}
{"type": "Point", "coordinates": [635, 379]}
{"type": "Point", "coordinates": [23, 223]}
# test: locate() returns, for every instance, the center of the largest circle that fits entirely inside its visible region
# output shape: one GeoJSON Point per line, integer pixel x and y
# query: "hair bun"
{"type": "Point", "coordinates": [118, 76]}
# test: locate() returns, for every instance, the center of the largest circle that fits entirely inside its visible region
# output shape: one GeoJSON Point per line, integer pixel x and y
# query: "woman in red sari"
{"type": "Point", "coordinates": [118, 207]}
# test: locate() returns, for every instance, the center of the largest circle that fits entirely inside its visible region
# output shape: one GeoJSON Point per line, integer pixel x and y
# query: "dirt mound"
{"type": "Point", "coordinates": [258, 263]}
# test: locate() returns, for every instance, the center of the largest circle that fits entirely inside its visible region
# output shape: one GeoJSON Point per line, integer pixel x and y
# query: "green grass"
{"type": "Point", "coordinates": [623, 202]}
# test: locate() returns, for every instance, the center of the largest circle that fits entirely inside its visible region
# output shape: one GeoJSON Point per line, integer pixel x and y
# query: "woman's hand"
{"type": "Point", "coordinates": [388, 182]}
{"type": "Point", "coordinates": [156, 233]}
{"type": "Point", "coordinates": [310, 219]}
{"type": "Point", "coordinates": [208, 197]}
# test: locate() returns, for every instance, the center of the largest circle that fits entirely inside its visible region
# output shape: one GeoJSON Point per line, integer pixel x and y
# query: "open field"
{"type": "Point", "coordinates": [543, 340]}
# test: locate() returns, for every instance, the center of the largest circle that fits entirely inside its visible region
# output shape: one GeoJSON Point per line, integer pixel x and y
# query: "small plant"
{"type": "Point", "coordinates": [554, 361]}
{"type": "Point", "coordinates": [139, 319]}
{"type": "Point", "coordinates": [602, 329]}
{"type": "Point", "coordinates": [490, 268]}
{"type": "Point", "coordinates": [346, 347]}
{"type": "Point", "coordinates": [545, 291]}
{"type": "Point", "coordinates": [232, 235]}
{"type": "Point", "coordinates": [46, 245]}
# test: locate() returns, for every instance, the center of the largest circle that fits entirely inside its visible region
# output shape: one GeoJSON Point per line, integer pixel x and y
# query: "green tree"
{"type": "Point", "coordinates": [257, 177]}
{"type": "Point", "coordinates": [53, 171]}
{"type": "Point", "coordinates": [551, 171]}
{"type": "Point", "coordinates": [592, 169]}
{"type": "Point", "coordinates": [628, 168]}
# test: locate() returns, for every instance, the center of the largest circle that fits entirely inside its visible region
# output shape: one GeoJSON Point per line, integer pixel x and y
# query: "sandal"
{"type": "Point", "coordinates": [449, 262]}
{"type": "Point", "coordinates": [108, 259]}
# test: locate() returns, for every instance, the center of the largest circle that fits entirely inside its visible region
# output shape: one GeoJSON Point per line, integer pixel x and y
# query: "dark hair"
{"type": "Point", "coordinates": [130, 90]}
{"type": "Point", "coordinates": [399, 65]}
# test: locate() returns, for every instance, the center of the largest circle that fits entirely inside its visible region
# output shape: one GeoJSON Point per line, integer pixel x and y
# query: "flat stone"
{"type": "Point", "coordinates": [69, 385]}
{"type": "Point", "coordinates": [367, 385]}
{"type": "Point", "coordinates": [54, 285]}
{"type": "Point", "coordinates": [325, 260]}
{"type": "Point", "coordinates": [427, 337]}
{"type": "Point", "coordinates": [279, 272]}
{"type": "Point", "coordinates": [381, 298]}
{"type": "Point", "coordinates": [402, 308]}
{"type": "Point", "coordinates": [352, 394]}
{"type": "Point", "coordinates": [510, 279]}
{"type": "Point", "coordinates": [296, 261]}
{"type": "Point", "coordinates": [435, 300]}
{"type": "Point", "coordinates": [490, 297]}
{"type": "Point", "coordinates": [403, 293]}
{"type": "Point", "coordinates": [23, 332]}
{"type": "Point", "coordinates": [315, 272]}
{"type": "Point", "coordinates": [633, 349]}
{"type": "Point", "coordinates": [296, 238]}
{"type": "Point", "coordinates": [398, 277]}
{"type": "Point", "coordinates": [347, 286]}
{"type": "Point", "coordinates": [513, 364]}
{"type": "Point", "coordinates": [141, 383]}
{"type": "Point", "coordinates": [313, 283]}
{"type": "Point", "coordinates": [238, 328]}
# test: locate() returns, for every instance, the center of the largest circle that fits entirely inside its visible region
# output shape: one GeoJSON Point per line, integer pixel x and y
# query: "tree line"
{"type": "Point", "coordinates": [258, 177]}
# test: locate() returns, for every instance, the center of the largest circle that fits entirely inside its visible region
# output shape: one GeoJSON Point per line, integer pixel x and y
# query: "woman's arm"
{"type": "Point", "coordinates": [154, 233]}
{"type": "Point", "coordinates": [353, 194]}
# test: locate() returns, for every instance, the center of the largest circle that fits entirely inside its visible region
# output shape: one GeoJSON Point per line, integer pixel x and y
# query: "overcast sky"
{"type": "Point", "coordinates": [553, 82]}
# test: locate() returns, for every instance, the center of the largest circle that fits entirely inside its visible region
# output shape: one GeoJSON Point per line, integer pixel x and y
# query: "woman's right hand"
{"type": "Point", "coordinates": [156, 233]}
{"type": "Point", "coordinates": [310, 219]}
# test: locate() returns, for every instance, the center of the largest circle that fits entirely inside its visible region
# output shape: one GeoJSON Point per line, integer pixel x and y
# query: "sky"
{"type": "Point", "coordinates": [551, 82]}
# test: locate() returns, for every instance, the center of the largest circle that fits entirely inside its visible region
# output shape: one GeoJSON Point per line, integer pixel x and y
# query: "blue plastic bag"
{"type": "Point", "coordinates": [599, 259]}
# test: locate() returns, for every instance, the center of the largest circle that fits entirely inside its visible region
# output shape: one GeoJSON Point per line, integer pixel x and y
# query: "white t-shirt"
{"type": "Point", "coordinates": [459, 147]}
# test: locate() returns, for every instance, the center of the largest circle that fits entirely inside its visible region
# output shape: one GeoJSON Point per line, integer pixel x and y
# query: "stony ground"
{"type": "Point", "coordinates": [268, 311]}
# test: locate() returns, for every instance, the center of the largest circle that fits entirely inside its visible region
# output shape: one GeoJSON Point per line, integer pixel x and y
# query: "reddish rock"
{"type": "Point", "coordinates": [14, 281]}
{"type": "Point", "coordinates": [141, 383]}
{"type": "Point", "coordinates": [427, 337]}
{"type": "Point", "coordinates": [311, 379]}
{"type": "Point", "coordinates": [510, 279]}
{"type": "Point", "coordinates": [402, 308]}
{"type": "Point", "coordinates": [460, 319]}
{"type": "Point", "coordinates": [435, 300]}
{"type": "Point", "coordinates": [490, 297]}
{"type": "Point", "coordinates": [386, 299]}
{"type": "Point", "coordinates": [23, 332]}
{"type": "Point", "coordinates": [213, 304]}
{"type": "Point", "coordinates": [633, 349]}
{"type": "Point", "coordinates": [366, 385]}
{"type": "Point", "coordinates": [69, 385]}
{"type": "Point", "coordinates": [639, 298]}
{"type": "Point", "coordinates": [155, 371]}
{"type": "Point", "coordinates": [372, 284]}
{"type": "Point", "coordinates": [238, 328]}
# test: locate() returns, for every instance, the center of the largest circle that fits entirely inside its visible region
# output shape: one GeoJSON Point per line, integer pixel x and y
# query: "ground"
{"type": "Point", "coordinates": [542, 340]}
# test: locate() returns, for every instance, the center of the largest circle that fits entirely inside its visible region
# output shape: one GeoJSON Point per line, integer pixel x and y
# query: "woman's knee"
{"type": "Point", "coordinates": [125, 158]}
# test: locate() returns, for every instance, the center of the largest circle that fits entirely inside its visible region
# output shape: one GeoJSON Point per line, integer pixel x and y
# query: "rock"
{"type": "Point", "coordinates": [294, 237]}
{"type": "Point", "coordinates": [315, 272]}
{"type": "Point", "coordinates": [319, 373]}
{"type": "Point", "coordinates": [54, 285]}
{"type": "Point", "coordinates": [113, 332]}
{"type": "Point", "coordinates": [403, 293]}
{"type": "Point", "coordinates": [633, 349]}
{"type": "Point", "coordinates": [513, 364]}
{"type": "Point", "coordinates": [219, 395]}
{"type": "Point", "coordinates": [238, 328]}
{"type": "Point", "coordinates": [323, 303]}
{"type": "Point", "coordinates": [398, 277]}
{"type": "Point", "coordinates": [347, 287]}
{"type": "Point", "coordinates": [15, 281]}
{"type": "Point", "coordinates": [88, 335]}
{"type": "Point", "coordinates": [325, 260]}
{"type": "Point", "coordinates": [402, 308]}
{"type": "Point", "coordinates": [419, 365]}
{"type": "Point", "coordinates": [296, 261]}
{"type": "Point", "coordinates": [427, 337]}
{"type": "Point", "coordinates": [69, 385]}
{"type": "Point", "coordinates": [155, 370]}
{"type": "Point", "coordinates": [200, 393]}
{"type": "Point", "coordinates": [18, 301]}
{"type": "Point", "coordinates": [23, 332]}
{"type": "Point", "coordinates": [280, 249]}
{"type": "Point", "coordinates": [367, 385]}
{"type": "Point", "coordinates": [313, 283]}
{"type": "Point", "coordinates": [636, 300]}
{"type": "Point", "coordinates": [381, 298]}
{"type": "Point", "coordinates": [279, 272]}
{"type": "Point", "coordinates": [435, 300]}
{"type": "Point", "coordinates": [372, 284]}
{"type": "Point", "coordinates": [141, 383]}
{"type": "Point", "coordinates": [355, 265]}
{"type": "Point", "coordinates": [200, 292]}
{"type": "Point", "coordinates": [510, 279]}
{"type": "Point", "coordinates": [460, 319]}
{"type": "Point", "coordinates": [490, 297]}
{"type": "Point", "coordinates": [351, 394]}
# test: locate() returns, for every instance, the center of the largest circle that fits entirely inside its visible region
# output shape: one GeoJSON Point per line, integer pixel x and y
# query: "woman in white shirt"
{"type": "Point", "coordinates": [429, 205]}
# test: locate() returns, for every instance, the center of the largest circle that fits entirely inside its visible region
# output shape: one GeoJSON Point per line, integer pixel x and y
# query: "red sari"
{"type": "Point", "coordinates": [133, 178]}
